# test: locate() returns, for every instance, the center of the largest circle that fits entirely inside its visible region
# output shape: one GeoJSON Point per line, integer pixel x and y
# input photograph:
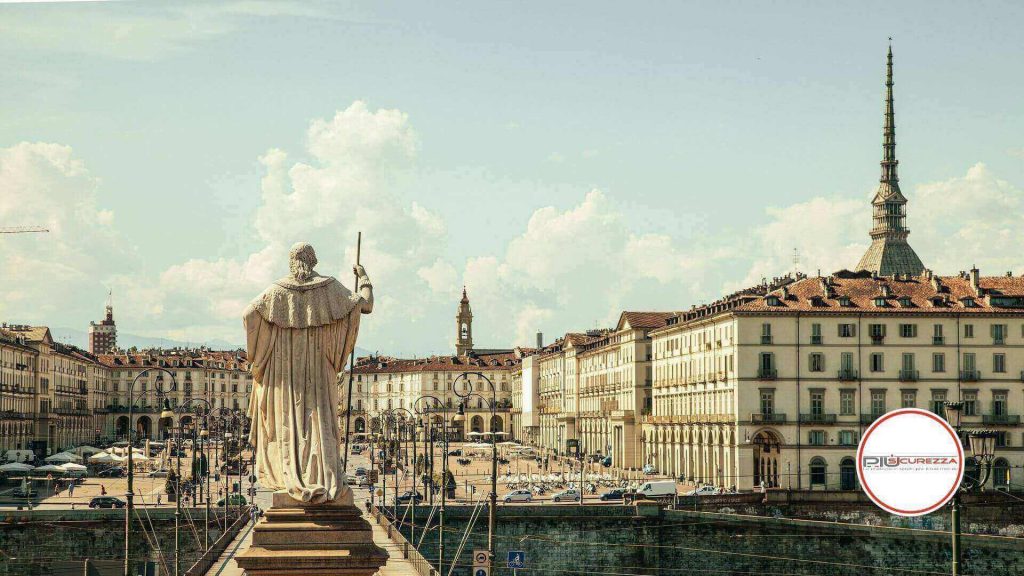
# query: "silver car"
{"type": "Point", "coordinates": [570, 495]}
{"type": "Point", "coordinates": [518, 496]}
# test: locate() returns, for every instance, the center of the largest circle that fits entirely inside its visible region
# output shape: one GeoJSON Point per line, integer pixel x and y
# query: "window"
{"type": "Point", "coordinates": [908, 362]}
{"type": "Point", "coordinates": [816, 362]}
{"type": "Point", "coordinates": [939, 402]}
{"type": "Point", "coordinates": [908, 399]}
{"type": "Point", "coordinates": [908, 330]}
{"type": "Point", "coordinates": [1002, 439]}
{"type": "Point", "coordinates": [968, 330]}
{"type": "Point", "coordinates": [970, 362]}
{"type": "Point", "coordinates": [877, 402]}
{"type": "Point", "coordinates": [999, 333]}
{"type": "Point", "coordinates": [847, 330]}
{"type": "Point", "coordinates": [877, 362]}
{"type": "Point", "coordinates": [767, 402]}
{"type": "Point", "coordinates": [999, 403]}
{"type": "Point", "coordinates": [847, 437]}
{"type": "Point", "coordinates": [999, 362]}
{"type": "Point", "coordinates": [877, 332]}
{"type": "Point", "coordinates": [846, 402]}
{"type": "Point", "coordinates": [819, 471]}
{"type": "Point", "coordinates": [970, 403]}
{"type": "Point", "coordinates": [815, 333]}
{"type": "Point", "coordinates": [816, 437]}
{"type": "Point", "coordinates": [937, 337]}
{"type": "Point", "coordinates": [817, 402]}
{"type": "Point", "coordinates": [767, 365]}
{"type": "Point", "coordinates": [766, 333]}
{"type": "Point", "coordinates": [938, 362]}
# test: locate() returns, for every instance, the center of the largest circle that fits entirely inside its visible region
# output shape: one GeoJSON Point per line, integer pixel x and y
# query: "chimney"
{"type": "Point", "coordinates": [540, 340]}
{"type": "Point", "coordinates": [975, 280]}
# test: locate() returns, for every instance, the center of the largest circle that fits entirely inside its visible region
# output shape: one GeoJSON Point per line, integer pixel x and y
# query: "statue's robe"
{"type": "Point", "coordinates": [299, 336]}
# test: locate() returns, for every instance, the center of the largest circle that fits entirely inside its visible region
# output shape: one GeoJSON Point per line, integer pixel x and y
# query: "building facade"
{"type": "Point", "coordinates": [103, 334]}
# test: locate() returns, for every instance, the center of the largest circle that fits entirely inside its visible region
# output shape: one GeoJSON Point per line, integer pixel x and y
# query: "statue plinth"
{"type": "Point", "coordinates": [294, 537]}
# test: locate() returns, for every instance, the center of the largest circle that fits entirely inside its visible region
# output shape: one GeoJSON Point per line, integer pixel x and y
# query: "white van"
{"type": "Point", "coordinates": [658, 488]}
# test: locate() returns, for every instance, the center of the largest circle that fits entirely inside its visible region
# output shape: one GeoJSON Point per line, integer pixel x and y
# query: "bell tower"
{"type": "Point", "coordinates": [464, 326]}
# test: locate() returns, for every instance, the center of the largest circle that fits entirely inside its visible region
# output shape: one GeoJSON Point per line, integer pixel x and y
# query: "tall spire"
{"type": "Point", "coordinates": [889, 161]}
{"type": "Point", "coordinates": [889, 252]}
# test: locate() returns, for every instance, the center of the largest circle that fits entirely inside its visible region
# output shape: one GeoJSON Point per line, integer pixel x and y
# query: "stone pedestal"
{"type": "Point", "coordinates": [295, 538]}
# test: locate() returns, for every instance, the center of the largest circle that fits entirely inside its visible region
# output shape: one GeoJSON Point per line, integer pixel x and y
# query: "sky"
{"type": "Point", "coordinates": [562, 161]}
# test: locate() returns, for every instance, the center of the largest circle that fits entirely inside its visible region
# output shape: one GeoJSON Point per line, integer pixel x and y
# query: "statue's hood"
{"type": "Point", "coordinates": [319, 301]}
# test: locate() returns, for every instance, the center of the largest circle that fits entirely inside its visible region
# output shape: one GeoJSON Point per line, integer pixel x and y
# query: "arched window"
{"type": "Point", "coordinates": [847, 474]}
{"type": "Point", "coordinates": [1000, 472]}
{"type": "Point", "coordinates": [819, 471]}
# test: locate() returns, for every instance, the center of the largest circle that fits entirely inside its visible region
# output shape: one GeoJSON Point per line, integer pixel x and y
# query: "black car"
{"type": "Point", "coordinates": [409, 495]}
{"type": "Point", "coordinates": [360, 471]}
{"type": "Point", "coordinates": [106, 502]}
{"type": "Point", "coordinates": [613, 495]}
{"type": "Point", "coordinates": [114, 472]}
{"type": "Point", "coordinates": [456, 452]}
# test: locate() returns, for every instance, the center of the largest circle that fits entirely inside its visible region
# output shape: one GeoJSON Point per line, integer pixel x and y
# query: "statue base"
{"type": "Point", "coordinates": [294, 537]}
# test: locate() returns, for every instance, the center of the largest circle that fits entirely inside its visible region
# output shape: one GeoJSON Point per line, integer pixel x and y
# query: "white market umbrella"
{"type": "Point", "coordinates": [72, 467]}
{"type": "Point", "coordinates": [474, 434]}
{"type": "Point", "coordinates": [63, 457]}
{"type": "Point", "coordinates": [86, 450]}
{"type": "Point", "coordinates": [508, 443]}
{"type": "Point", "coordinates": [16, 467]}
{"type": "Point", "coordinates": [104, 457]}
{"type": "Point", "coordinates": [50, 468]}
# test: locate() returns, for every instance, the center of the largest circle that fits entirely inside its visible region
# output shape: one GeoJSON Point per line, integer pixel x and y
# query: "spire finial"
{"type": "Point", "coordinates": [889, 161]}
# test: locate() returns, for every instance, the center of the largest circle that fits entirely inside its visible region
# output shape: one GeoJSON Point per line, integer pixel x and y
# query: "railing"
{"type": "Point", "coordinates": [970, 375]}
{"type": "Point", "coordinates": [878, 340]}
{"type": "Point", "coordinates": [766, 339]}
{"type": "Point", "coordinates": [767, 373]}
{"type": "Point", "coordinates": [908, 375]}
{"type": "Point", "coordinates": [869, 418]}
{"type": "Point", "coordinates": [1000, 419]}
{"type": "Point", "coordinates": [816, 339]}
{"type": "Point", "coordinates": [818, 418]}
{"type": "Point", "coordinates": [210, 556]}
{"type": "Point", "coordinates": [938, 340]}
{"type": "Point", "coordinates": [847, 374]}
{"type": "Point", "coordinates": [773, 418]}
{"type": "Point", "coordinates": [998, 341]}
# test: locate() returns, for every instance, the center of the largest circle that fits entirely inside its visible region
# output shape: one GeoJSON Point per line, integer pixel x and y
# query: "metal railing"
{"type": "Point", "coordinates": [767, 373]}
{"type": "Point", "coordinates": [1000, 419]}
{"type": "Point", "coordinates": [908, 375]}
{"type": "Point", "coordinates": [847, 374]}
{"type": "Point", "coordinates": [773, 418]}
{"type": "Point", "coordinates": [970, 375]}
{"type": "Point", "coordinates": [818, 418]}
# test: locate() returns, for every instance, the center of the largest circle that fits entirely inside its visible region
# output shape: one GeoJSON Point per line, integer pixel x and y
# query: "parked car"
{"type": "Point", "coordinates": [657, 489]}
{"type": "Point", "coordinates": [613, 495]}
{"type": "Point", "coordinates": [409, 496]}
{"type": "Point", "coordinates": [570, 495]}
{"type": "Point", "coordinates": [704, 491]}
{"type": "Point", "coordinates": [360, 471]}
{"type": "Point", "coordinates": [106, 502]}
{"type": "Point", "coordinates": [518, 496]}
{"type": "Point", "coordinates": [455, 452]}
{"type": "Point", "coordinates": [113, 472]}
{"type": "Point", "coordinates": [235, 500]}
{"type": "Point", "coordinates": [158, 474]}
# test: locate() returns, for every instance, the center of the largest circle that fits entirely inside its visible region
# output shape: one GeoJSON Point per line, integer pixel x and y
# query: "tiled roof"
{"type": "Point", "coordinates": [187, 358]}
{"type": "Point", "coordinates": [647, 319]}
{"type": "Point", "coordinates": [29, 333]}
{"type": "Point", "coordinates": [922, 294]}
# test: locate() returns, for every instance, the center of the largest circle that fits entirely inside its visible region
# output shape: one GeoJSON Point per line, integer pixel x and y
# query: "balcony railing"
{"type": "Point", "coordinates": [818, 418]}
{"type": "Point", "coordinates": [938, 340]}
{"type": "Point", "coordinates": [847, 374]}
{"type": "Point", "coordinates": [998, 341]}
{"type": "Point", "coordinates": [869, 418]}
{"type": "Point", "coordinates": [908, 375]}
{"type": "Point", "coordinates": [1000, 419]}
{"type": "Point", "coordinates": [773, 418]}
{"type": "Point", "coordinates": [878, 340]}
{"type": "Point", "coordinates": [767, 373]}
{"type": "Point", "coordinates": [766, 339]}
{"type": "Point", "coordinates": [816, 339]}
{"type": "Point", "coordinates": [970, 375]}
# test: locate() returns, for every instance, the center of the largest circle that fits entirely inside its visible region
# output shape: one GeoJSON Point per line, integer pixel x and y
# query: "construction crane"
{"type": "Point", "coordinates": [22, 229]}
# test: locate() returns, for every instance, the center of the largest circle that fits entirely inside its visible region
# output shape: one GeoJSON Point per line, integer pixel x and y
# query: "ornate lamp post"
{"type": "Point", "coordinates": [401, 421]}
{"type": "Point", "coordinates": [460, 416]}
{"type": "Point", "coordinates": [130, 495]}
{"type": "Point", "coordinates": [183, 409]}
{"type": "Point", "coordinates": [228, 422]}
{"type": "Point", "coordinates": [438, 405]}
{"type": "Point", "coordinates": [981, 447]}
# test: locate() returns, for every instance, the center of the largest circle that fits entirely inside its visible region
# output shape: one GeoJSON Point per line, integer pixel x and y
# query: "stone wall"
{"type": "Point", "coordinates": [605, 540]}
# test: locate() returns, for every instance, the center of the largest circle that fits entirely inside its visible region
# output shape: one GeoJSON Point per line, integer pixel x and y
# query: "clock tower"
{"type": "Point", "coordinates": [464, 326]}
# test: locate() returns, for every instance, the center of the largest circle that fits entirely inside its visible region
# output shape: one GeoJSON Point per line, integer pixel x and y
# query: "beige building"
{"type": "Point", "coordinates": [776, 385]}
{"type": "Point", "coordinates": [19, 385]}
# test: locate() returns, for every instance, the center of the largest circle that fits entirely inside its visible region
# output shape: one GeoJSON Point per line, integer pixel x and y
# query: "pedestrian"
{"type": "Point", "coordinates": [103, 490]}
{"type": "Point", "coordinates": [159, 497]}
{"type": "Point", "coordinates": [71, 489]}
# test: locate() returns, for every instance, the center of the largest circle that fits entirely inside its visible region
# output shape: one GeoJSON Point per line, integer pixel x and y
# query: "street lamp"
{"type": "Point", "coordinates": [129, 495]}
{"type": "Point", "coordinates": [438, 405]}
{"type": "Point", "coordinates": [491, 511]}
{"type": "Point", "coordinates": [981, 447]}
{"type": "Point", "coordinates": [182, 409]}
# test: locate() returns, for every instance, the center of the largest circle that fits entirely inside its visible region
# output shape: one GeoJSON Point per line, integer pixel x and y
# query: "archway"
{"type": "Point", "coordinates": [121, 426]}
{"type": "Point", "coordinates": [819, 472]}
{"type": "Point", "coordinates": [496, 424]}
{"type": "Point", "coordinates": [143, 427]}
{"type": "Point", "coordinates": [360, 426]}
{"type": "Point", "coordinates": [847, 474]}
{"type": "Point", "coordinates": [1000, 473]}
{"type": "Point", "coordinates": [477, 424]}
{"type": "Point", "coordinates": [767, 449]}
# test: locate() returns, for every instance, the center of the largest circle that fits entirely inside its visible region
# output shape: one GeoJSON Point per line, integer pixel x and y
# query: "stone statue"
{"type": "Point", "coordinates": [300, 332]}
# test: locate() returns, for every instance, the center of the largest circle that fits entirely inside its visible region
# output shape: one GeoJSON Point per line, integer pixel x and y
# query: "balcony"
{"type": "Point", "coordinates": [818, 418]}
{"type": "Point", "coordinates": [908, 375]}
{"type": "Point", "coordinates": [816, 339]}
{"type": "Point", "coordinates": [1000, 419]}
{"type": "Point", "coordinates": [847, 374]}
{"type": "Point", "coordinates": [766, 339]}
{"type": "Point", "coordinates": [938, 340]}
{"type": "Point", "coordinates": [877, 340]}
{"type": "Point", "coordinates": [767, 373]}
{"type": "Point", "coordinates": [869, 418]}
{"type": "Point", "coordinates": [998, 341]}
{"type": "Point", "coordinates": [969, 375]}
{"type": "Point", "coordinates": [773, 418]}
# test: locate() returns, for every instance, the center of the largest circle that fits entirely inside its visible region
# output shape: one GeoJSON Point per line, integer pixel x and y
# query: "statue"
{"type": "Point", "coordinates": [299, 334]}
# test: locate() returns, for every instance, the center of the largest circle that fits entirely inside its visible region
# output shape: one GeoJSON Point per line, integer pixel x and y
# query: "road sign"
{"type": "Point", "coordinates": [481, 571]}
{"type": "Point", "coordinates": [516, 559]}
{"type": "Point", "coordinates": [480, 558]}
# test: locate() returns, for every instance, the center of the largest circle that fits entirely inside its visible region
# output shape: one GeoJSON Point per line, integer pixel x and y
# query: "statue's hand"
{"type": "Point", "coordinates": [359, 271]}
